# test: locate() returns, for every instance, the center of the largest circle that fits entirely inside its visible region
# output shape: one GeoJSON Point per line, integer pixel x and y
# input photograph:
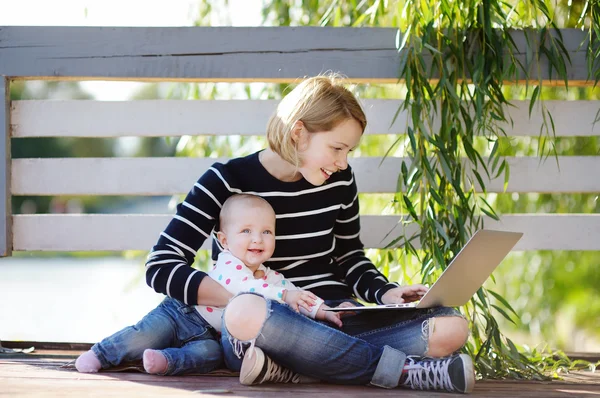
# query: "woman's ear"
{"type": "Point", "coordinates": [297, 132]}
{"type": "Point", "coordinates": [222, 239]}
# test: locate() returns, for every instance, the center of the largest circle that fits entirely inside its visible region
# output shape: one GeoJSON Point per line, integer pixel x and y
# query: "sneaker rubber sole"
{"type": "Point", "coordinates": [469, 373]}
{"type": "Point", "coordinates": [252, 367]}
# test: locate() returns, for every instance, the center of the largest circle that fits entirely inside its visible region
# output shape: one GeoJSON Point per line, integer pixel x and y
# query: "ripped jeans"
{"type": "Point", "coordinates": [371, 347]}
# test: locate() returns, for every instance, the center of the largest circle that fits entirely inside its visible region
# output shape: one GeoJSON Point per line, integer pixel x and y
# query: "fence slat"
{"type": "Point", "coordinates": [221, 54]}
{"type": "Point", "coordinates": [168, 176]}
{"type": "Point", "coordinates": [52, 232]}
{"type": "Point", "coordinates": [215, 117]}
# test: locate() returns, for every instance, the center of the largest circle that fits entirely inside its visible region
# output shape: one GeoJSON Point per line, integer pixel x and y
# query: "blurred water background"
{"type": "Point", "coordinates": [71, 299]}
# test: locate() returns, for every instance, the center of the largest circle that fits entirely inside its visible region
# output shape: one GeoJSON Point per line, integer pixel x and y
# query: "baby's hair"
{"type": "Point", "coordinates": [320, 103]}
{"type": "Point", "coordinates": [240, 199]}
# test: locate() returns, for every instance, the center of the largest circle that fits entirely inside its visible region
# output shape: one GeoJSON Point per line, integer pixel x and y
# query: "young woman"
{"type": "Point", "coordinates": [304, 175]}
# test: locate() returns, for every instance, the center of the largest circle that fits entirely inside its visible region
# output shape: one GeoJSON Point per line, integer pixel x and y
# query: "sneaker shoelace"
{"type": "Point", "coordinates": [278, 374]}
{"type": "Point", "coordinates": [429, 375]}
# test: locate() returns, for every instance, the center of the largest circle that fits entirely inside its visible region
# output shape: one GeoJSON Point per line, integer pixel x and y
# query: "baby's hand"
{"type": "Point", "coordinates": [329, 316]}
{"type": "Point", "coordinates": [300, 298]}
{"type": "Point", "coordinates": [259, 273]}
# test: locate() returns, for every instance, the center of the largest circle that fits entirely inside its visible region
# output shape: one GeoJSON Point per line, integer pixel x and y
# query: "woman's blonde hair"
{"type": "Point", "coordinates": [320, 103]}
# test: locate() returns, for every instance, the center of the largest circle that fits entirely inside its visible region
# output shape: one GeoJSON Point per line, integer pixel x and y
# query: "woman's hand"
{"type": "Point", "coordinates": [329, 316]}
{"type": "Point", "coordinates": [346, 304]}
{"type": "Point", "coordinates": [404, 294]}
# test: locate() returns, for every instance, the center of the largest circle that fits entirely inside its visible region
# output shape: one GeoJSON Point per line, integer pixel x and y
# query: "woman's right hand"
{"type": "Point", "coordinates": [404, 294]}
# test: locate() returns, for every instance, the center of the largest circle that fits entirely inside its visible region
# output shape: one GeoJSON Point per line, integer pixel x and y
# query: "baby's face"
{"type": "Point", "coordinates": [250, 234]}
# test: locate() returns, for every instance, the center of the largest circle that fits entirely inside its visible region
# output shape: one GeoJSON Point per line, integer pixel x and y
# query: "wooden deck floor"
{"type": "Point", "coordinates": [45, 376]}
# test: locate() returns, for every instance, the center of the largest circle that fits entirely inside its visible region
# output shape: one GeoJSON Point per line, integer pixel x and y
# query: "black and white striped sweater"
{"type": "Point", "coordinates": [317, 233]}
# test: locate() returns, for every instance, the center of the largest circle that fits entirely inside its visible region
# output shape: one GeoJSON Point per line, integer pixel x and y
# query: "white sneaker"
{"type": "Point", "coordinates": [257, 368]}
{"type": "Point", "coordinates": [453, 374]}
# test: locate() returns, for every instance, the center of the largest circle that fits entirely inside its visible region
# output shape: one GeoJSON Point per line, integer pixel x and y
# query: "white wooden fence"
{"type": "Point", "coordinates": [202, 54]}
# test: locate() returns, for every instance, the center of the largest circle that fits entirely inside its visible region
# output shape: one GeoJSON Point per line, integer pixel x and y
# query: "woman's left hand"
{"type": "Point", "coordinates": [404, 294]}
{"type": "Point", "coordinates": [346, 304]}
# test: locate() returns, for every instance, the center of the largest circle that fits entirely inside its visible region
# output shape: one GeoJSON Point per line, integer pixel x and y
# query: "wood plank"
{"type": "Point", "coordinates": [571, 118]}
{"type": "Point", "coordinates": [116, 232]}
{"type": "Point", "coordinates": [127, 176]}
{"type": "Point", "coordinates": [41, 118]}
{"type": "Point", "coordinates": [168, 176]}
{"type": "Point", "coordinates": [140, 118]}
{"type": "Point", "coordinates": [5, 175]}
{"type": "Point", "coordinates": [46, 377]}
{"type": "Point", "coordinates": [217, 54]}
{"type": "Point", "coordinates": [196, 52]}
{"type": "Point", "coordinates": [167, 118]}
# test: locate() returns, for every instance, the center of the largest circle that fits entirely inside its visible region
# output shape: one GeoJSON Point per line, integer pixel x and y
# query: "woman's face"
{"type": "Point", "coordinates": [325, 152]}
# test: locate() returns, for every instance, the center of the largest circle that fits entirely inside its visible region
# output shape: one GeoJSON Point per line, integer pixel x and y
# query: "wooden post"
{"type": "Point", "coordinates": [5, 161]}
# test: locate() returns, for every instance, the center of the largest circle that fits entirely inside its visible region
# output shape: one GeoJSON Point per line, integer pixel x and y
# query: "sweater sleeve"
{"type": "Point", "coordinates": [359, 272]}
{"type": "Point", "coordinates": [168, 268]}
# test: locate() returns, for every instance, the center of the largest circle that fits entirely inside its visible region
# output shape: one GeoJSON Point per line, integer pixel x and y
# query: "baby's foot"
{"type": "Point", "coordinates": [154, 362]}
{"type": "Point", "coordinates": [88, 362]}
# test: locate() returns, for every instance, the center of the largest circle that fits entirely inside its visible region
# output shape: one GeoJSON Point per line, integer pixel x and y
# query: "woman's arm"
{"type": "Point", "coordinates": [210, 293]}
{"type": "Point", "coordinates": [168, 269]}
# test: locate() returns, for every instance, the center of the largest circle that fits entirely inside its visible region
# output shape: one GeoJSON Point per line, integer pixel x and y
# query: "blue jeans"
{"type": "Point", "coordinates": [187, 341]}
{"type": "Point", "coordinates": [371, 347]}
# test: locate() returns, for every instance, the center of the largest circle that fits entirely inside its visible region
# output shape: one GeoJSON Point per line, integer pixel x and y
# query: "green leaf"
{"type": "Point", "coordinates": [413, 140]}
{"type": "Point", "coordinates": [502, 300]}
{"type": "Point", "coordinates": [490, 214]}
{"type": "Point", "coordinates": [437, 197]}
{"type": "Point", "coordinates": [536, 92]}
{"type": "Point", "coordinates": [489, 211]}
{"type": "Point", "coordinates": [440, 230]}
{"type": "Point", "coordinates": [430, 48]}
{"type": "Point", "coordinates": [479, 180]}
{"type": "Point", "coordinates": [500, 169]}
{"type": "Point", "coordinates": [410, 207]}
{"type": "Point", "coordinates": [481, 297]}
{"type": "Point", "coordinates": [504, 314]}
{"type": "Point", "coordinates": [506, 175]}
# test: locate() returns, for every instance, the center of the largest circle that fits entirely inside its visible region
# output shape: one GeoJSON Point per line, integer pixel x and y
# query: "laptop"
{"type": "Point", "coordinates": [465, 274]}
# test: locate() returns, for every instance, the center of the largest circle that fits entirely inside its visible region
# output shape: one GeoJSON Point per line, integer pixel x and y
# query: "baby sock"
{"type": "Point", "coordinates": [88, 362]}
{"type": "Point", "coordinates": [154, 362]}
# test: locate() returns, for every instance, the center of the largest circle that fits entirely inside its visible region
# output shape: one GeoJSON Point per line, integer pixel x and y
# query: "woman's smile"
{"type": "Point", "coordinates": [326, 173]}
